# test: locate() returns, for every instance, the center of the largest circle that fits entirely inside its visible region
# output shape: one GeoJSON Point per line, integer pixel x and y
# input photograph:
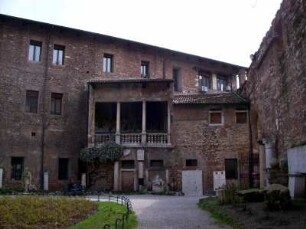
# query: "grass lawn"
{"type": "Point", "coordinates": [212, 205]}
{"type": "Point", "coordinates": [34, 212]}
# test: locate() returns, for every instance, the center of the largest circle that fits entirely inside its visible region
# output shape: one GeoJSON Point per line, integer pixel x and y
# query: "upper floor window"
{"type": "Point", "coordinates": [16, 168]}
{"type": "Point", "coordinates": [144, 69]}
{"type": "Point", "coordinates": [56, 103]}
{"type": "Point", "coordinates": [241, 116]}
{"type": "Point", "coordinates": [221, 83]}
{"type": "Point", "coordinates": [215, 117]}
{"type": "Point", "coordinates": [204, 81]}
{"type": "Point", "coordinates": [58, 55]}
{"type": "Point", "coordinates": [31, 101]}
{"type": "Point", "coordinates": [108, 63]}
{"type": "Point", "coordinates": [128, 164]}
{"type": "Point", "coordinates": [35, 51]}
{"type": "Point", "coordinates": [177, 81]}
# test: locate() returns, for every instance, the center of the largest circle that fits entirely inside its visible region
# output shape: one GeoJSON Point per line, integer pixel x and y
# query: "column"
{"type": "Point", "coordinates": [169, 124]}
{"type": "Point", "coordinates": [144, 119]}
{"type": "Point", "coordinates": [91, 118]}
{"type": "Point", "coordinates": [118, 123]}
{"type": "Point", "coordinates": [214, 81]}
{"type": "Point", "coordinates": [116, 176]}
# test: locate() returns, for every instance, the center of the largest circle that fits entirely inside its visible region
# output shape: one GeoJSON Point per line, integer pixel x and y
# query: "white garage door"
{"type": "Point", "coordinates": [192, 183]}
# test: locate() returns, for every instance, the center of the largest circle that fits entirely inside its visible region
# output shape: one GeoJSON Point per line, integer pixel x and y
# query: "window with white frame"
{"type": "Point", "coordinates": [221, 83]}
{"type": "Point", "coordinates": [204, 81]}
{"type": "Point", "coordinates": [144, 69]}
{"type": "Point", "coordinates": [216, 117]}
{"type": "Point", "coordinates": [35, 51]}
{"type": "Point", "coordinates": [108, 60]}
{"type": "Point", "coordinates": [58, 55]}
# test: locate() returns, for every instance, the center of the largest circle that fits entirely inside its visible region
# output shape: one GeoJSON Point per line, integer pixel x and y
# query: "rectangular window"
{"type": "Point", "coordinates": [144, 69]}
{"type": "Point", "coordinates": [16, 168]}
{"type": "Point", "coordinates": [221, 83]}
{"type": "Point", "coordinates": [204, 81]}
{"type": "Point", "coordinates": [231, 170]}
{"type": "Point", "coordinates": [31, 101]}
{"type": "Point", "coordinates": [215, 117]}
{"type": "Point", "coordinates": [35, 51]}
{"type": "Point", "coordinates": [157, 163]}
{"type": "Point", "coordinates": [191, 162]}
{"type": "Point", "coordinates": [128, 164]}
{"type": "Point", "coordinates": [63, 168]}
{"type": "Point", "coordinates": [241, 116]}
{"type": "Point", "coordinates": [177, 81]}
{"type": "Point", "coordinates": [58, 55]}
{"type": "Point", "coordinates": [56, 103]}
{"type": "Point", "coordinates": [108, 63]}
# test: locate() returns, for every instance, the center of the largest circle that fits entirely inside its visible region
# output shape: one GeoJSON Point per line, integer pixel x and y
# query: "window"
{"type": "Point", "coordinates": [157, 163]}
{"type": "Point", "coordinates": [231, 169]}
{"type": "Point", "coordinates": [16, 168]}
{"type": "Point", "coordinates": [215, 117]}
{"type": "Point", "coordinates": [221, 83]}
{"type": "Point", "coordinates": [144, 69]}
{"type": "Point", "coordinates": [56, 103]}
{"type": "Point", "coordinates": [204, 81]}
{"type": "Point", "coordinates": [63, 165]}
{"type": "Point", "coordinates": [31, 101]}
{"type": "Point", "coordinates": [191, 162]}
{"type": "Point", "coordinates": [128, 164]}
{"type": "Point", "coordinates": [58, 55]}
{"type": "Point", "coordinates": [35, 51]}
{"type": "Point", "coordinates": [108, 63]}
{"type": "Point", "coordinates": [177, 82]}
{"type": "Point", "coordinates": [241, 116]}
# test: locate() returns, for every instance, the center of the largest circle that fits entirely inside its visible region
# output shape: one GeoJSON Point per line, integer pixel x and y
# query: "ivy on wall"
{"type": "Point", "coordinates": [101, 153]}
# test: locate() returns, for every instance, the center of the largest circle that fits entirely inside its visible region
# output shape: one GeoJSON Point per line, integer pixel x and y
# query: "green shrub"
{"type": "Point", "coordinates": [277, 197]}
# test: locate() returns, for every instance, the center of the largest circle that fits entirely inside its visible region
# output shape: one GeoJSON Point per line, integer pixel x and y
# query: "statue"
{"type": "Point", "coordinates": [27, 179]}
{"type": "Point", "coordinates": [157, 184]}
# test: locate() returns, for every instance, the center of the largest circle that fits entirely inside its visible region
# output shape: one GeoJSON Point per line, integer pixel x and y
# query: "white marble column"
{"type": "Point", "coordinates": [144, 119]}
{"type": "Point", "coordinates": [118, 123]}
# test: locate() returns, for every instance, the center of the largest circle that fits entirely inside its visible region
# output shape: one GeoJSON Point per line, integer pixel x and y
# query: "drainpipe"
{"type": "Point", "coordinates": [44, 109]}
{"type": "Point", "coordinates": [251, 156]}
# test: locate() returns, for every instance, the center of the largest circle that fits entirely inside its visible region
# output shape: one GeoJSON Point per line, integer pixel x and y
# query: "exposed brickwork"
{"type": "Point", "coordinates": [62, 136]}
{"type": "Point", "coordinates": [276, 84]}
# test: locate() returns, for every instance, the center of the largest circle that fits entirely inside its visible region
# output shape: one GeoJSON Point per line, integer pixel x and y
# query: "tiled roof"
{"type": "Point", "coordinates": [210, 98]}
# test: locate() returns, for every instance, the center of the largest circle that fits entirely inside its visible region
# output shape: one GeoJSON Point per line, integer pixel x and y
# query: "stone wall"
{"type": "Point", "coordinates": [276, 86]}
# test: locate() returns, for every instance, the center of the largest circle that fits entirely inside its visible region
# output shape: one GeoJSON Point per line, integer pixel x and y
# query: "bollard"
{"type": "Point", "coordinates": [118, 221]}
{"type": "Point", "coordinates": [106, 226]}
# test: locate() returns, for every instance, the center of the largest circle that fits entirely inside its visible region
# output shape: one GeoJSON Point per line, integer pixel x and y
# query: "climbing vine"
{"type": "Point", "coordinates": [101, 153]}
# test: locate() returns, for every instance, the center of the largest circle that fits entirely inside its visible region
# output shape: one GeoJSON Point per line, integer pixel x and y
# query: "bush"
{"type": "Point", "coordinates": [228, 194]}
{"type": "Point", "coordinates": [277, 197]}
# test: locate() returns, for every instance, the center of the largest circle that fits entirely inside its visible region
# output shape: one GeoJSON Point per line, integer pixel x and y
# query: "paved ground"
{"type": "Point", "coordinates": [171, 212]}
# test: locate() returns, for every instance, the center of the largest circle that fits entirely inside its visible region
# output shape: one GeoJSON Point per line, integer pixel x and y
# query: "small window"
{"type": "Point", "coordinates": [128, 164]}
{"type": "Point", "coordinates": [31, 101]}
{"type": "Point", "coordinates": [241, 116]}
{"type": "Point", "coordinates": [58, 55]}
{"type": "Point", "coordinates": [63, 168]}
{"type": "Point", "coordinates": [204, 81]}
{"type": "Point", "coordinates": [177, 81]}
{"type": "Point", "coordinates": [108, 63]}
{"type": "Point", "coordinates": [221, 83]}
{"type": "Point", "coordinates": [35, 51]}
{"type": "Point", "coordinates": [215, 117]}
{"type": "Point", "coordinates": [144, 69]}
{"type": "Point", "coordinates": [191, 162]}
{"type": "Point", "coordinates": [231, 169]}
{"type": "Point", "coordinates": [16, 168]}
{"type": "Point", "coordinates": [56, 103]}
{"type": "Point", "coordinates": [157, 163]}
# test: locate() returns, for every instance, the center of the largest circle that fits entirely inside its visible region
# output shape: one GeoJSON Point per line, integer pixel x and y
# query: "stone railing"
{"type": "Point", "coordinates": [157, 139]}
{"type": "Point", "coordinates": [152, 139]}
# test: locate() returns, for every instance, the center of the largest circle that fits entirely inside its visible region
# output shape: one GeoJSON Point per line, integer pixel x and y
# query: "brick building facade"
{"type": "Point", "coordinates": [276, 87]}
{"type": "Point", "coordinates": [64, 89]}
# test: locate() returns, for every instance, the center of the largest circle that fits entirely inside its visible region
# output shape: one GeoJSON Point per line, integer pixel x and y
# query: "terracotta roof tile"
{"type": "Point", "coordinates": [210, 98]}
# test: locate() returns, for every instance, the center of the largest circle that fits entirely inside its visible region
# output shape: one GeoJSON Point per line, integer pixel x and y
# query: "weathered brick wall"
{"type": "Point", "coordinates": [194, 138]}
{"type": "Point", "coordinates": [276, 82]}
{"type": "Point", "coordinates": [64, 135]}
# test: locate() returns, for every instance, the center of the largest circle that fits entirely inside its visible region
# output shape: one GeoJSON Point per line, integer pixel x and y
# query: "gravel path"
{"type": "Point", "coordinates": [171, 212]}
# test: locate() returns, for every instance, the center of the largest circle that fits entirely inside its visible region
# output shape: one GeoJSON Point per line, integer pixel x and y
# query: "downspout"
{"type": "Point", "coordinates": [44, 109]}
{"type": "Point", "coordinates": [251, 156]}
